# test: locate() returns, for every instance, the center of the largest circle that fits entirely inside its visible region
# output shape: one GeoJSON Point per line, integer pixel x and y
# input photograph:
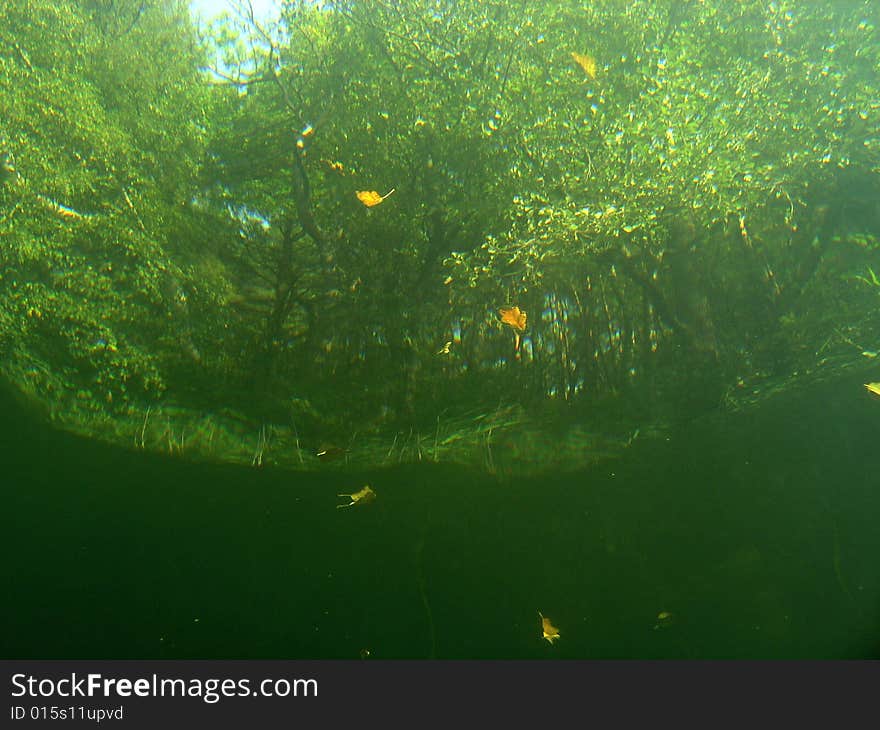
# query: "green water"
{"type": "Point", "coordinates": [755, 531]}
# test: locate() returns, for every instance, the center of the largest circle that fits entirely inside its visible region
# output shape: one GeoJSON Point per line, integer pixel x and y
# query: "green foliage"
{"type": "Point", "coordinates": [103, 114]}
{"type": "Point", "coordinates": [673, 200]}
{"type": "Point", "coordinates": [672, 223]}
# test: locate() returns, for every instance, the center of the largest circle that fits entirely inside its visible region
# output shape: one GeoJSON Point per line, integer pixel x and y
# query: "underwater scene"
{"type": "Point", "coordinates": [440, 329]}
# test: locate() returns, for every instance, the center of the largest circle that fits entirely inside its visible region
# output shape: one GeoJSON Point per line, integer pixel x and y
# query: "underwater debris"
{"type": "Point", "coordinates": [549, 631]}
{"type": "Point", "coordinates": [445, 349]}
{"type": "Point", "coordinates": [329, 452]}
{"type": "Point", "coordinates": [873, 388]}
{"type": "Point", "coordinates": [362, 496]}
{"type": "Point", "coordinates": [586, 62]}
{"type": "Point", "coordinates": [664, 620]}
{"type": "Point", "coordinates": [371, 197]}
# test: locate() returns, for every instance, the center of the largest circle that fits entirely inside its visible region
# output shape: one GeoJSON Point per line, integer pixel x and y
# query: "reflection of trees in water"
{"type": "Point", "coordinates": [677, 217]}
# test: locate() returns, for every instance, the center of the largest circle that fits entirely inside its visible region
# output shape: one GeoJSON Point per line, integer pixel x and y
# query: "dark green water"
{"type": "Point", "coordinates": [757, 532]}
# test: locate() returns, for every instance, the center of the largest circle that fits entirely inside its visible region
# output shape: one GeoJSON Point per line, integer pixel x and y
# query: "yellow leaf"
{"type": "Point", "coordinates": [371, 197]}
{"type": "Point", "coordinates": [362, 496]}
{"type": "Point", "coordinates": [586, 62]}
{"type": "Point", "coordinates": [873, 388]}
{"type": "Point", "coordinates": [514, 316]}
{"type": "Point", "coordinates": [549, 631]}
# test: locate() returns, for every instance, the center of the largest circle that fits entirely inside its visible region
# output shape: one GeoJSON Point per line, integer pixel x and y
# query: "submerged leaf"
{"type": "Point", "coordinates": [873, 388]}
{"type": "Point", "coordinates": [362, 496]}
{"type": "Point", "coordinates": [549, 631]}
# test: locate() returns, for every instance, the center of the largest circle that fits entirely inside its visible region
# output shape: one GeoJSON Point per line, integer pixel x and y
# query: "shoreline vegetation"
{"type": "Point", "coordinates": [505, 442]}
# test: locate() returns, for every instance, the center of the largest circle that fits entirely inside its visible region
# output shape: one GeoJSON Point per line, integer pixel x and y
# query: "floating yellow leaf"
{"type": "Point", "coordinates": [371, 197]}
{"type": "Point", "coordinates": [550, 632]}
{"type": "Point", "coordinates": [514, 316]}
{"type": "Point", "coordinates": [362, 496]}
{"type": "Point", "coordinates": [873, 388]}
{"type": "Point", "coordinates": [586, 62]}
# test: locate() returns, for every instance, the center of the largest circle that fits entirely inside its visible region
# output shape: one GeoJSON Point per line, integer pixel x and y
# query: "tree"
{"type": "Point", "coordinates": [650, 181]}
{"type": "Point", "coordinates": [104, 118]}
{"type": "Point", "coordinates": [679, 196]}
